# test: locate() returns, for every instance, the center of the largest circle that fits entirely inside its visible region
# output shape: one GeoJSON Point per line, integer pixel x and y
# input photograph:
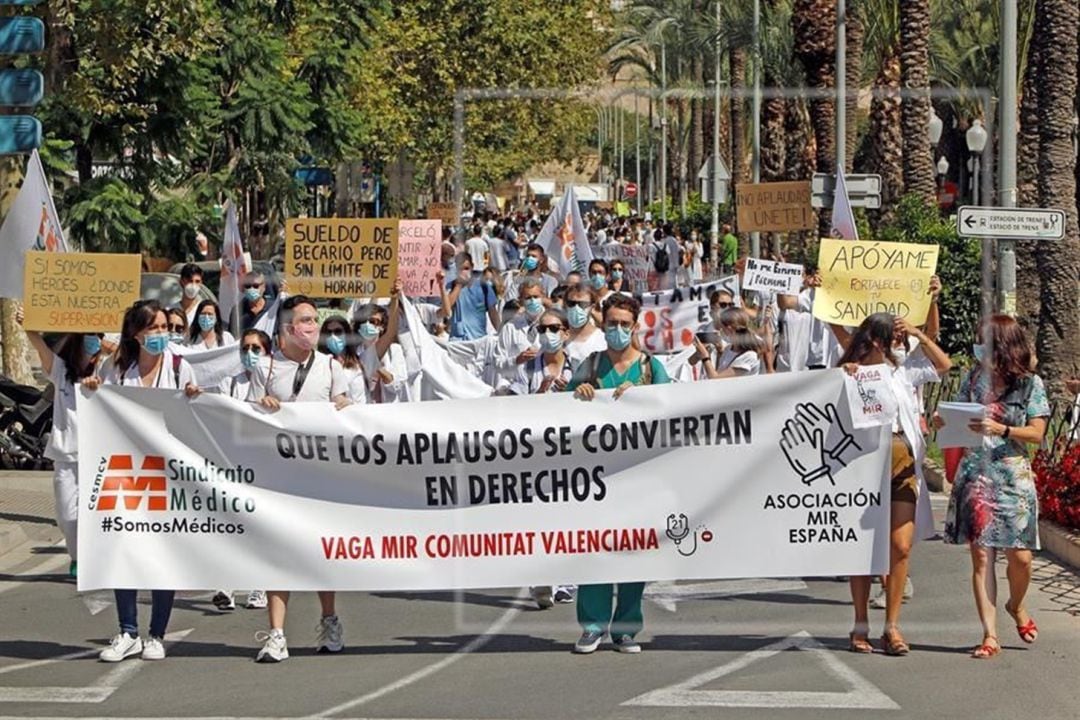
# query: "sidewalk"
{"type": "Point", "coordinates": [26, 510]}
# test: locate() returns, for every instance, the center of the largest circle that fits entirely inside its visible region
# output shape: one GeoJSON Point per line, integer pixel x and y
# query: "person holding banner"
{"type": "Point", "coordinates": [254, 345]}
{"type": "Point", "coordinates": [75, 359]}
{"type": "Point", "coordinates": [618, 368]}
{"type": "Point", "coordinates": [381, 356]}
{"type": "Point", "coordinates": [337, 340]}
{"type": "Point", "coordinates": [994, 503]}
{"type": "Point", "coordinates": [207, 332]}
{"type": "Point", "coordinates": [143, 360]}
{"type": "Point", "coordinates": [872, 344]}
{"type": "Point", "coordinates": [298, 372]}
{"type": "Point", "coordinates": [584, 337]}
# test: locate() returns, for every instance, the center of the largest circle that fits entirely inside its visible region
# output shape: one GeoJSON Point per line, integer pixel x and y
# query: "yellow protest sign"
{"type": "Point", "coordinates": [341, 257]}
{"type": "Point", "coordinates": [445, 211]}
{"type": "Point", "coordinates": [78, 292]}
{"type": "Point", "coordinates": [860, 278]}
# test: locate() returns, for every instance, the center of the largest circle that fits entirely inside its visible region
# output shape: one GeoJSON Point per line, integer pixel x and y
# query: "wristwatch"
{"type": "Point", "coordinates": [1005, 434]}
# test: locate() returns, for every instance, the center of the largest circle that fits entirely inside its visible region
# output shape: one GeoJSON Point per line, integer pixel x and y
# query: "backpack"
{"type": "Point", "coordinates": [646, 361]}
{"type": "Point", "coordinates": [661, 261]}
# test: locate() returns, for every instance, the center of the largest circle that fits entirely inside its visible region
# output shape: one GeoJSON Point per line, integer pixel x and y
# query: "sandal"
{"type": "Point", "coordinates": [1029, 631]}
{"type": "Point", "coordinates": [986, 650]}
{"type": "Point", "coordinates": [893, 644]}
{"type": "Point", "coordinates": [858, 641]}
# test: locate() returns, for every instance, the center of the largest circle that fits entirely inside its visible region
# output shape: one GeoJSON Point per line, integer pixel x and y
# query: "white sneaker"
{"type": "Point", "coordinates": [542, 595]}
{"type": "Point", "coordinates": [331, 636]}
{"type": "Point", "coordinates": [909, 589]}
{"type": "Point", "coordinates": [224, 600]}
{"type": "Point", "coordinates": [274, 648]}
{"type": "Point", "coordinates": [153, 649]}
{"type": "Point", "coordinates": [120, 647]}
{"type": "Point", "coordinates": [878, 601]}
{"type": "Point", "coordinates": [256, 599]}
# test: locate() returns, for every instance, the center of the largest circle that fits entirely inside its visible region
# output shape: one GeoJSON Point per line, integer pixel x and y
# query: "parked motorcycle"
{"type": "Point", "coordinates": [25, 425]}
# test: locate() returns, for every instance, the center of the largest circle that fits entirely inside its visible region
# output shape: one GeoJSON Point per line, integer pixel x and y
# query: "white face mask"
{"type": "Point", "coordinates": [191, 291]}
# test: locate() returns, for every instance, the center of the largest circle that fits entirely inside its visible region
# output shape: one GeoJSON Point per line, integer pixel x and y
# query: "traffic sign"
{"type": "Point", "coordinates": [708, 183]}
{"type": "Point", "coordinates": [21, 88]}
{"type": "Point", "coordinates": [863, 190]}
{"type": "Point", "coordinates": [21, 34]}
{"type": "Point", "coordinates": [706, 171]}
{"type": "Point", "coordinates": [1011, 223]}
{"type": "Point", "coordinates": [19, 134]}
{"type": "Point", "coordinates": [630, 190]}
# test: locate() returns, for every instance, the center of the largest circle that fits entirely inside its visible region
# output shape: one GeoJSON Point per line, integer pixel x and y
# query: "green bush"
{"type": "Point", "coordinates": [959, 267]}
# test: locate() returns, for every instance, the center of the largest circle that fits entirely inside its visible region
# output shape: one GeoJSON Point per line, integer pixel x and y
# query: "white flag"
{"type": "Point", "coordinates": [563, 236]}
{"type": "Point", "coordinates": [440, 377]}
{"type": "Point", "coordinates": [234, 263]}
{"type": "Point", "coordinates": [32, 224]}
{"type": "Point", "coordinates": [843, 219]}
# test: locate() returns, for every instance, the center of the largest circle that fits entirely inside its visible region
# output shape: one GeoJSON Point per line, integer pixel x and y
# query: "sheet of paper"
{"type": "Point", "coordinates": [956, 432]}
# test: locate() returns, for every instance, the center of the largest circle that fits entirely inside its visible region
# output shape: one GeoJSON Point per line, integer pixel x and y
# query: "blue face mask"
{"type": "Point", "coordinates": [335, 344]}
{"type": "Point", "coordinates": [979, 351]}
{"type": "Point", "coordinates": [616, 274]}
{"type": "Point", "coordinates": [577, 316]}
{"type": "Point", "coordinates": [91, 345]}
{"type": "Point", "coordinates": [207, 322]}
{"type": "Point", "coordinates": [617, 337]}
{"type": "Point", "coordinates": [533, 306]}
{"type": "Point", "coordinates": [156, 344]}
{"type": "Point", "coordinates": [250, 359]}
{"type": "Point", "coordinates": [598, 281]}
{"type": "Point", "coordinates": [550, 342]}
{"type": "Point", "coordinates": [368, 331]}
{"type": "Point", "coordinates": [530, 263]}
{"type": "Point", "coordinates": [252, 294]}
{"type": "Point", "coordinates": [176, 337]}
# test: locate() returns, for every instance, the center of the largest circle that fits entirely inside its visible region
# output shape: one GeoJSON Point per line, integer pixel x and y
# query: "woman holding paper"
{"type": "Point", "coordinates": [993, 503]}
{"type": "Point", "coordinates": [872, 344]}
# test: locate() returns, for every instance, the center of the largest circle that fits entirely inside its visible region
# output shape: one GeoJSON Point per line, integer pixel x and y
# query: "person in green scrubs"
{"type": "Point", "coordinates": [618, 368]}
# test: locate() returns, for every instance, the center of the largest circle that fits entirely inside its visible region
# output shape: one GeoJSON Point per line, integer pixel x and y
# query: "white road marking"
{"type": "Point", "coordinates": [860, 695]}
{"type": "Point", "coordinates": [668, 595]}
{"type": "Point", "coordinates": [475, 644]}
{"type": "Point", "coordinates": [42, 568]}
{"type": "Point", "coordinates": [100, 691]}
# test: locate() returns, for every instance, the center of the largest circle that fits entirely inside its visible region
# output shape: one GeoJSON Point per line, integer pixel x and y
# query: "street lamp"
{"type": "Point", "coordinates": [934, 128]}
{"type": "Point", "coordinates": [942, 170]}
{"type": "Point", "coordinates": [976, 141]}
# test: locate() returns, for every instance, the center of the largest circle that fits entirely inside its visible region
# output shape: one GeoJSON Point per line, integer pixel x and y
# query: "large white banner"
{"type": "Point", "coordinates": [756, 477]}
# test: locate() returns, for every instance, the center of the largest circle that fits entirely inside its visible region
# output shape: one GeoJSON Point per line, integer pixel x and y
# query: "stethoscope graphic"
{"type": "Point", "coordinates": [678, 529]}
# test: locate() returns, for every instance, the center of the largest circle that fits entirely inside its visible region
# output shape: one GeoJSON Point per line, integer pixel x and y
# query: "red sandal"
{"type": "Point", "coordinates": [986, 650]}
{"type": "Point", "coordinates": [1029, 631]}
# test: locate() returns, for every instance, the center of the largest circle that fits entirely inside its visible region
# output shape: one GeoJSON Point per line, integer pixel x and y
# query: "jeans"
{"type": "Point", "coordinates": [127, 610]}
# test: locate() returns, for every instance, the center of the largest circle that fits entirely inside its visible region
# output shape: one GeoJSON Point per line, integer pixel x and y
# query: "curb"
{"type": "Point", "coordinates": [11, 536]}
{"type": "Point", "coordinates": [1061, 543]}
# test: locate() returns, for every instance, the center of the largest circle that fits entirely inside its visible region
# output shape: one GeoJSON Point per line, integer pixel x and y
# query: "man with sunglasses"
{"type": "Point", "coordinates": [619, 367]}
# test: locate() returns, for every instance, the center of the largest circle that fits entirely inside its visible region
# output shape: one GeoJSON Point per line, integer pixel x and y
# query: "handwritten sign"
{"type": "Point", "coordinates": [419, 248]}
{"type": "Point", "coordinates": [669, 319]}
{"type": "Point", "coordinates": [772, 276]}
{"type": "Point", "coordinates": [635, 260]}
{"type": "Point", "coordinates": [870, 396]}
{"type": "Point", "coordinates": [446, 212]}
{"type": "Point", "coordinates": [774, 207]}
{"type": "Point", "coordinates": [341, 257]}
{"type": "Point", "coordinates": [79, 292]}
{"type": "Point", "coordinates": [860, 278]}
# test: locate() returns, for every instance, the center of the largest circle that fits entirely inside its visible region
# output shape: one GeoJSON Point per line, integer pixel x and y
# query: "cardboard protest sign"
{"type": "Point", "coordinates": [772, 276]}
{"type": "Point", "coordinates": [635, 260]}
{"type": "Point", "coordinates": [774, 207]}
{"type": "Point", "coordinates": [341, 257]}
{"type": "Point", "coordinates": [860, 278]}
{"type": "Point", "coordinates": [419, 248]}
{"type": "Point", "coordinates": [669, 319]}
{"type": "Point", "coordinates": [870, 396]}
{"type": "Point", "coordinates": [446, 212]}
{"type": "Point", "coordinates": [78, 292]}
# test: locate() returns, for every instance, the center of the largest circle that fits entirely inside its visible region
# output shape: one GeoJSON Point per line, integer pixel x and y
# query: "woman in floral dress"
{"type": "Point", "coordinates": [993, 503]}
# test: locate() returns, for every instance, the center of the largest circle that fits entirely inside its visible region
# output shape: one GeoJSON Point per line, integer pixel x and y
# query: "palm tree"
{"type": "Point", "coordinates": [1027, 168]}
{"type": "Point", "coordinates": [915, 110]}
{"type": "Point", "coordinates": [883, 149]}
{"type": "Point", "coordinates": [1058, 340]}
{"type": "Point", "coordinates": [814, 25]}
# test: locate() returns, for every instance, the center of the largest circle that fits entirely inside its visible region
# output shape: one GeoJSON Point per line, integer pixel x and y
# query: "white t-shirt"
{"type": "Point", "coordinates": [497, 254]}
{"type": "Point", "coordinates": [746, 363]}
{"type": "Point", "coordinates": [170, 375]}
{"type": "Point", "coordinates": [190, 313]}
{"type": "Point", "coordinates": [325, 379]}
{"type": "Point", "coordinates": [64, 441]}
{"type": "Point", "coordinates": [824, 349]}
{"type": "Point", "coordinates": [200, 342]}
{"type": "Point", "coordinates": [581, 349]}
{"type": "Point", "coordinates": [239, 386]}
{"type": "Point", "coordinates": [477, 248]}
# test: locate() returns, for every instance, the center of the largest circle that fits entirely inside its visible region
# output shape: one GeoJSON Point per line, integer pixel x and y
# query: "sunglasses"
{"type": "Point", "coordinates": [584, 304]}
{"type": "Point", "coordinates": [176, 328]}
{"type": "Point", "coordinates": [257, 349]}
{"type": "Point", "coordinates": [248, 286]}
{"type": "Point", "coordinates": [337, 332]}
{"type": "Point", "coordinates": [554, 327]}
{"type": "Point", "coordinates": [724, 305]}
